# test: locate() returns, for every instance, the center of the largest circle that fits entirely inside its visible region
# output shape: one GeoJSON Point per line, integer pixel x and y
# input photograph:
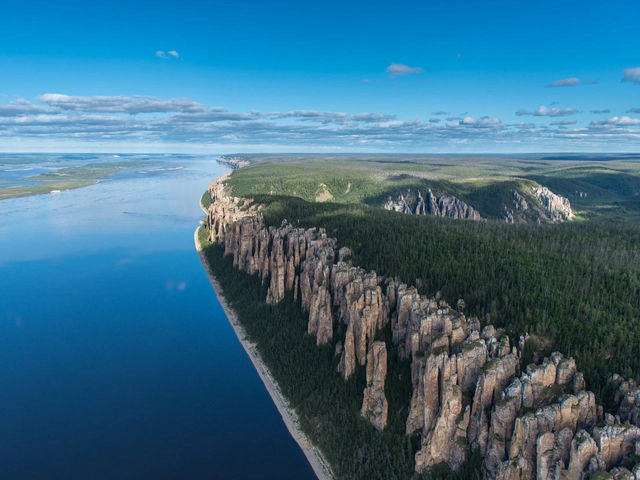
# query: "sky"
{"type": "Point", "coordinates": [320, 76]}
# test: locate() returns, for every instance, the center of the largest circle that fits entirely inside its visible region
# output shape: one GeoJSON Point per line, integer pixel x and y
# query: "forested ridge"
{"type": "Point", "coordinates": [328, 407]}
{"type": "Point", "coordinates": [576, 286]}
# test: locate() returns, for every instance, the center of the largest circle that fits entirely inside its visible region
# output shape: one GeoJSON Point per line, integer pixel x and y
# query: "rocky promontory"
{"type": "Point", "coordinates": [471, 390]}
{"type": "Point", "coordinates": [232, 161]}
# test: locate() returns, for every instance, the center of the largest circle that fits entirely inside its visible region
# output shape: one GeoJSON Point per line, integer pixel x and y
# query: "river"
{"type": "Point", "coordinates": [116, 359]}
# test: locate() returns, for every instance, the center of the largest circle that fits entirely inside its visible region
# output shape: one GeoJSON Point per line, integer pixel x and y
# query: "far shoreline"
{"type": "Point", "coordinates": [318, 463]}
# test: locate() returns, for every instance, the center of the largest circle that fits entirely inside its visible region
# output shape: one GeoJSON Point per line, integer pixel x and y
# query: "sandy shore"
{"type": "Point", "coordinates": [320, 466]}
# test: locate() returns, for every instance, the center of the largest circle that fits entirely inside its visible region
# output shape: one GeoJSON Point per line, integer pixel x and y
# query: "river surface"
{"type": "Point", "coordinates": [116, 359]}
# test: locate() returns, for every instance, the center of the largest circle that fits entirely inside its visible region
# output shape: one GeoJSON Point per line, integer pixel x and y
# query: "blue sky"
{"type": "Point", "coordinates": [298, 76]}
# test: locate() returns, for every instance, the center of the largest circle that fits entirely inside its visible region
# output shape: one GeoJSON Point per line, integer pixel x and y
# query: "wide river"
{"type": "Point", "coordinates": [116, 359]}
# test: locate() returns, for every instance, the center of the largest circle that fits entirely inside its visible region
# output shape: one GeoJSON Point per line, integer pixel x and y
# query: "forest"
{"type": "Point", "coordinates": [575, 286]}
{"type": "Point", "coordinates": [307, 376]}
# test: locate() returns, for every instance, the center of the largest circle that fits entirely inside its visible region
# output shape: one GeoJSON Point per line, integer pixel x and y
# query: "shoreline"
{"type": "Point", "coordinates": [315, 458]}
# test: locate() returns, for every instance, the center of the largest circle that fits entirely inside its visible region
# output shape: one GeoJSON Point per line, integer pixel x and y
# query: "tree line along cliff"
{"type": "Point", "coordinates": [471, 387]}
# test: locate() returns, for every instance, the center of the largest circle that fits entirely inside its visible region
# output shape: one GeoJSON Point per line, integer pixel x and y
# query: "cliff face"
{"type": "Point", "coordinates": [232, 162]}
{"type": "Point", "coordinates": [430, 204]}
{"type": "Point", "coordinates": [539, 205]}
{"type": "Point", "coordinates": [470, 391]}
{"type": "Point", "coordinates": [557, 206]}
{"type": "Point", "coordinates": [549, 207]}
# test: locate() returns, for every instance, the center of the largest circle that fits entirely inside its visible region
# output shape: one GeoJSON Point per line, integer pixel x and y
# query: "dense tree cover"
{"type": "Point", "coordinates": [576, 285]}
{"type": "Point", "coordinates": [205, 200]}
{"type": "Point", "coordinates": [328, 407]}
{"type": "Point", "coordinates": [600, 187]}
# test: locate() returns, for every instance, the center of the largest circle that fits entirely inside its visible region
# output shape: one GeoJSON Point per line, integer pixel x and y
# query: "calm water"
{"type": "Point", "coordinates": [116, 360]}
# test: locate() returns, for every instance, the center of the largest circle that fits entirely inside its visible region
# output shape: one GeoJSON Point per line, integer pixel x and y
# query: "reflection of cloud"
{"type": "Point", "coordinates": [14, 318]}
{"type": "Point", "coordinates": [124, 261]}
{"type": "Point", "coordinates": [177, 286]}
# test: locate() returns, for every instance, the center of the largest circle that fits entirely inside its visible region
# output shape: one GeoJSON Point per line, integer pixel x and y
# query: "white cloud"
{"type": "Point", "coordinates": [480, 122]}
{"type": "Point", "coordinates": [167, 55]}
{"type": "Point", "coordinates": [618, 121]}
{"type": "Point", "coordinates": [144, 120]}
{"type": "Point", "coordinates": [21, 107]}
{"type": "Point", "coordinates": [133, 104]}
{"type": "Point", "coordinates": [565, 82]}
{"type": "Point", "coordinates": [543, 111]}
{"type": "Point", "coordinates": [564, 122]}
{"type": "Point", "coordinates": [332, 117]}
{"type": "Point", "coordinates": [400, 69]}
{"type": "Point", "coordinates": [631, 75]}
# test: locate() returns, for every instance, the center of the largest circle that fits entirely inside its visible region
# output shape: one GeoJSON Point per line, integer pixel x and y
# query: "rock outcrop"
{"type": "Point", "coordinates": [470, 391]}
{"type": "Point", "coordinates": [232, 161]}
{"type": "Point", "coordinates": [445, 205]}
{"type": "Point", "coordinates": [543, 206]}
{"type": "Point", "coordinates": [557, 206]}
{"type": "Point", "coordinates": [374, 404]}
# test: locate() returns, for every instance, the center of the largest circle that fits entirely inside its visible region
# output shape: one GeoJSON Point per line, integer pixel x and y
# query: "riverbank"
{"type": "Point", "coordinates": [318, 463]}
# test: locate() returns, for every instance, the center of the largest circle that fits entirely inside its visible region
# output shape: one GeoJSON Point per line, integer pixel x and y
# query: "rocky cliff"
{"type": "Point", "coordinates": [233, 162]}
{"type": "Point", "coordinates": [530, 204]}
{"type": "Point", "coordinates": [543, 206]}
{"type": "Point", "coordinates": [427, 203]}
{"type": "Point", "coordinates": [470, 389]}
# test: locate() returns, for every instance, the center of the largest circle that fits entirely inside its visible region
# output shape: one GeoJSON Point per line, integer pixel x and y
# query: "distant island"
{"type": "Point", "coordinates": [434, 318]}
{"type": "Point", "coordinates": [63, 178]}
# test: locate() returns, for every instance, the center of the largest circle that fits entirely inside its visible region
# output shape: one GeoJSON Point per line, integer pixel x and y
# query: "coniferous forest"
{"type": "Point", "coordinates": [307, 377]}
{"type": "Point", "coordinates": [573, 287]}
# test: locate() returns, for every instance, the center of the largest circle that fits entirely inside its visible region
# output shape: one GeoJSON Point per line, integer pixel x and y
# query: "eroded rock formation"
{"type": "Point", "coordinates": [427, 203]}
{"type": "Point", "coordinates": [549, 207]}
{"type": "Point", "coordinates": [557, 206]}
{"type": "Point", "coordinates": [232, 161]}
{"type": "Point", "coordinates": [374, 402]}
{"type": "Point", "coordinates": [470, 391]}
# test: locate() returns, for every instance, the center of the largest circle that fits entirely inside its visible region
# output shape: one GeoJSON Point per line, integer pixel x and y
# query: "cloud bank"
{"type": "Point", "coordinates": [137, 120]}
{"type": "Point", "coordinates": [544, 111]}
